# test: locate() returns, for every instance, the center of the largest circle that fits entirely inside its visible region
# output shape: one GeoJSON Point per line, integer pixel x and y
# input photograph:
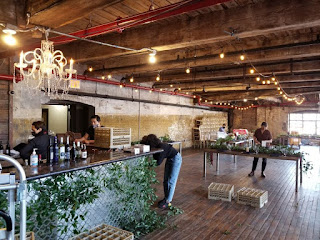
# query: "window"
{"type": "Point", "coordinates": [304, 123]}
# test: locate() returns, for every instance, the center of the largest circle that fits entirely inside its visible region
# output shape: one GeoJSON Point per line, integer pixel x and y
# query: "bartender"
{"type": "Point", "coordinates": [223, 128]}
{"type": "Point", "coordinates": [261, 134]}
{"type": "Point", "coordinates": [89, 135]}
{"type": "Point", "coordinates": [40, 141]}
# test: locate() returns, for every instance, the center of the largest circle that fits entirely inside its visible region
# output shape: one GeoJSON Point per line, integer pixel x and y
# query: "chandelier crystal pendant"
{"type": "Point", "coordinates": [43, 69]}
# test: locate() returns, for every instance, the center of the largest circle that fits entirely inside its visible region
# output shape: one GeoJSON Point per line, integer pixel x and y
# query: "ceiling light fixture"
{"type": "Point", "coordinates": [152, 57]}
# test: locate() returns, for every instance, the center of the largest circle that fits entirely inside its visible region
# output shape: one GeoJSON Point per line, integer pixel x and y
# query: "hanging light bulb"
{"type": "Point", "coordinates": [188, 70]}
{"type": "Point", "coordinates": [268, 82]}
{"type": "Point", "coordinates": [258, 79]}
{"type": "Point", "coordinates": [245, 100]}
{"type": "Point", "coordinates": [9, 39]}
{"type": "Point", "coordinates": [152, 57]}
{"type": "Point", "coordinates": [278, 88]}
{"type": "Point", "coordinates": [275, 83]}
{"type": "Point", "coordinates": [179, 88]}
{"type": "Point", "coordinates": [109, 76]}
{"type": "Point", "coordinates": [273, 78]}
{"type": "Point", "coordinates": [150, 91]}
{"type": "Point", "coordinates": [256, 98]}
{"type": "Point", "coordinates": [158, 77]}
{"type": "Point", "coordinates": [206, 100]}
{"type": "Point", "coordinates": [242, 57]}
{"type": "Point", "coordinates": [136, 90]}
{"type": "Point", "coordinates": [221, 55]}
{"type": "Point", "coordinates": [171, 85]}
{"type": "Point", "coordinates": [161, 89]}
{"type": "Point", "coordinates": [187, 93]}
{"type": "Point", "coordinates": [200, 99]}
{"type": "Point", "coordinates": [121, 86]}
{"type": "Point", "coordinates": [132, 79]}
{"type": "Point", "coordinates": [194, 96]}
{"type": "Point", "coordinates": [103, 77]}
{"type": "Point", "coordinates": [281, 92]}
{"type": "Point", "coordinates": [263, 82]}
{"type": "Point", "coordinates": [90, 69]}
{"type": "Point", "coordinates": [252, 71]}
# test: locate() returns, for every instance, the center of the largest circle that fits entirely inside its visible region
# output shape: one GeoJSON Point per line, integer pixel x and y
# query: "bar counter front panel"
{"type": "Point", "coordinates": [70, 197]}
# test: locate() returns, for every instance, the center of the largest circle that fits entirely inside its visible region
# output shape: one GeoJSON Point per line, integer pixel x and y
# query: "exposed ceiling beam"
{"type": "Point", "coordinates": [56, 13]}
{"type": "Point", "coordinates": [167, 60]}
{"type": "Point", "coordinates": [288, 78]}
{"type": "Point", "coordinates": [285, 15]}
{"type": "Point", "coordinates": [250, 95]}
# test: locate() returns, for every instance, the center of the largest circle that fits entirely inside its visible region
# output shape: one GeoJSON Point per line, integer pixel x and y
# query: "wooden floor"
{"type": "Point", "coordinates": [287, 215]}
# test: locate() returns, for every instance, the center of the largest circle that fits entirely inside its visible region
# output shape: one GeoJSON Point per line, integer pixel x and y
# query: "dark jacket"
{"type": "Point", "coordinates": [168, 152]}
{"type": "Point", "coordinates": [41, 142]}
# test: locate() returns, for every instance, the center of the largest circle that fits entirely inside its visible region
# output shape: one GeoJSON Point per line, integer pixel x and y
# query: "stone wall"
{"type": "Point", "coordinates": [276, 117]}
{"type": "Point", "coordinates": [142, 118]}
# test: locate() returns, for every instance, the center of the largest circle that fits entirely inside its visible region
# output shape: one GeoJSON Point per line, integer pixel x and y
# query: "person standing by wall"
{"type": "Point", "coordinates": [260, 135]}
{"type": "Point", "coordinates": [172, 167]}
{"type": "Point", "coordinates": [223, 128]}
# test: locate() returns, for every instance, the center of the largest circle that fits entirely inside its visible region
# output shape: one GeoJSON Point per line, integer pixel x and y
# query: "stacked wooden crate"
{"type": "Point", "coordinates": [106, 137]}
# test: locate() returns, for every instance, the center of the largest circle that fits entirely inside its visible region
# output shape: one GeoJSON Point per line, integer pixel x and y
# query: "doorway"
{"type": "Point", "coordinates": [62, 116]}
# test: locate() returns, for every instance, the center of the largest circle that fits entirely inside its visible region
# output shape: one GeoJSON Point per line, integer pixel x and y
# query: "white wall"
{"type": "Point", "coordinates": [58, 118]}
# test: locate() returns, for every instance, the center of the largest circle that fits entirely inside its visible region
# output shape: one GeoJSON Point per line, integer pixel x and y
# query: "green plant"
{"type": "Point", "coordinates": [59, 198]}
{"type": "Point", "coordinates": [165, 138]}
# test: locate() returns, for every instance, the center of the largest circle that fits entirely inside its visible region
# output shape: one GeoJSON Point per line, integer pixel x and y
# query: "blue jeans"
{"type": "Point", "coordinates": [171, 173]}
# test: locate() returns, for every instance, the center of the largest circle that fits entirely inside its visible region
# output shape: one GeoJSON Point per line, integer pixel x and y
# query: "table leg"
{"type": "Point", "coordinates": [300, 170]}
{"type": "Point", "coordinates": [217, 163]}
{"type": "Point", "coordinates": [204, 164]}
{"type": "Point", "coordinates": [297, 174]}
{"type": "Point", "coordinates": [234, 158]}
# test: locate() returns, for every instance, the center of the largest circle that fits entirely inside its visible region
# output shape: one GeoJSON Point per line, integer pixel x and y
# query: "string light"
{"type": "Point", "coordinates": [152, 57]}
{"type": "Point", "coordinates": [221, 55]}
{"type": "Point", "coordinates": [258, 79]}
{"type": "Point", "coordinates": [136, 90]}
{"type": "Point", "coordinates": [179, 88]}
{"type": "Point", "coordinates": [252, 71]}
{"type": "Point", "coordinates": [103, 77]}
{"type": "Point", "coordinates": [278, 88]}
{"type": "Point", "coordinates": [242, 57]}
{"type": "Point", "coordinates": [245, 100]}
{"type": "Point", "coordinates": [161, 89]}
{"type": "Point", "coordinates": [263, 82]}
{"type": "Point", "coordinates": [171, 85]}
{"type": "Point", "coordinates": [206, 100]}
{"type": "Point", "coordinates": [276, 83]}
{"type": "Point", "coordinates": [158, 77]}
{"type": "Point", "coordinates": [281, 92]}
{"type": "Point", "coordinates": [109, 76]}
{"type": "Point", "coordinates": [90, 69]}
{"type": "Point", "coordinates": [256, 98]}
{"type": "Point", "coordinates": [132, 79]}
{"type": "Point", "coordinates": [121, 86]}
{"type": "Point", "coordinates": [194, 96]}
{"type": "Point", "coordinates": [268, 82]}
{"type": "Point", "coordinates": [188, 70]}
{"type": "Point", "coordinates": [273, 78]}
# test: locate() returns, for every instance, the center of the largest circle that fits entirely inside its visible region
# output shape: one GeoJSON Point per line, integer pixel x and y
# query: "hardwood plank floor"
{"type": "Point", "coordinates": [287, 215]}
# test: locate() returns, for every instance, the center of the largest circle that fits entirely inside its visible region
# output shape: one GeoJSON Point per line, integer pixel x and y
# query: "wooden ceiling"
{"type": "Point", "coordinates": [277, 37]}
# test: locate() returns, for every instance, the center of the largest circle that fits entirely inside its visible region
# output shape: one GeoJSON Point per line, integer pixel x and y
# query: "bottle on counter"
{"type": "Point", "coordinates": [8, 151]}
{"type": "Point", "coordinates": [34, 159]}
{"type": "Point", "coordinates": [1, 148]}
{"type": "Point", "coordinates": [84, 153]}
{"type": "Point", "coordinates": [78, 151]}
{"type": "Point", "coordinates": [50, 151]}
{"type": "Point", "coordinates": [56, 150]}
{"type": "Point", "coordinates": [67, 154]}
{"type": "Point", "coordinates": [74, 151]}
{"type": "Point", "coordinates": [62, 150]}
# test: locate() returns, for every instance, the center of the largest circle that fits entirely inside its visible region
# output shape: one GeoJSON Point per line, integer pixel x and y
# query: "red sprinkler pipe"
{"type": "Point", "coordinates": [142, 18]}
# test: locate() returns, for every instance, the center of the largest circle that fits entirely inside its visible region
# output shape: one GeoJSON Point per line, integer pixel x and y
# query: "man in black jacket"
{"type": "Point", "coordinates": [172, 167]}
{"type": "Point", "coordinates": [40, 141]}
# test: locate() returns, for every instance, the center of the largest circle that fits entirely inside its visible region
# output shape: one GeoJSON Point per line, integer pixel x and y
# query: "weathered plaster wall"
{"type": "Point", "coordinates": [152, 118]}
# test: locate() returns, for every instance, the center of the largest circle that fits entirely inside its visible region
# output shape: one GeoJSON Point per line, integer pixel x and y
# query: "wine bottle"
{"type": "Point", "coordinates": [1, 148]}
{"type": "Point", "coordinates": [67, 150]}
{"type": "Point", "coordinates": [62, 150]}
{"type": "Point", "coordinates": [8, 151]}
{"type": "Point", "coordinates": [78, 150]}
{"type": "Point", "coordinates": [50, 151]}
{"type": "Point", "coordinates": [84, 153]}
{"type": "Point", "coordinates": [74, 151]}
{"type": "Point", "coordinates": [56, 150]}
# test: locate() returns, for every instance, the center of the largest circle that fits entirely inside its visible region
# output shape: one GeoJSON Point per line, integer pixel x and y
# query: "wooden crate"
{"type": "Point", "coordinates": [30, 236]}
{"type": "Point", "coordinates": [112, 137]}
{"type": "Point", "coordinates": [105, 231]}
{"type": "Point", "coordinates": [253, 197]}
{"type": "Point", "coordinates": [220, 191]}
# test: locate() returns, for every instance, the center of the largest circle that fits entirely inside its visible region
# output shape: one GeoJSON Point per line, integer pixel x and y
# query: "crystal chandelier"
{"type": "Point", "coordinates": [43, 70]}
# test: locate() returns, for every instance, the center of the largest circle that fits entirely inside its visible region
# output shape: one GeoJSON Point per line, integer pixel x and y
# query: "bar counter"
{"type": "Point", "coordinates": [115, 188]}
{"type": "Point", "coordinates": [100, 157]}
